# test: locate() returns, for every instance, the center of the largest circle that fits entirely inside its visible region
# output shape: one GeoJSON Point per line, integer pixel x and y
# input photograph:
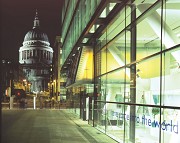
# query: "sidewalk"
{"type": "Point", "coordinates": [86, 129]}
{"type": "Point", "coordinates": [48, 126]}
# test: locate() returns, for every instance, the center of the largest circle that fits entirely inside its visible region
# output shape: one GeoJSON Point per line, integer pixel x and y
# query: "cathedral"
{"type": "Point", "coordinates": [35, 57]}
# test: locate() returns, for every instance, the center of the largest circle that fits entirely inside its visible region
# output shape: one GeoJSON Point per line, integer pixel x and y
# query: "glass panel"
{"type": "Point", "coordinates": [98, 45]}
{"type": "Point", "coordinates": [103, 14]}
{"type": "Point", "coordinates": [97, 64]}
{"type": "Point", "coordinates": [148, 33]}
{"type": "Point", "coordinates": [101, 116]}
{"type": "Point", "coordinates": [170, 79]}
{"type": "Point", "coordinates": [148, 81]}
{"type": "Point", "coordinates": [115, 122]}
{"type": "Point", "coordinates": [142, 6]}
{"type": "Point", "coordinates": [170, 126]}
{"type": "Point", "coordinates": [171, 23]}
{"type": "Point", "coordinates": [101, 106]}
{"type": "Point", "coordinates": [128, 11]}
{"type": "Point", "coordinates": [103, 61]}
{"type": "Point", "coordinates": [115, 92]}
{"type": "Point", "coordinates": [84, 12]}
{"type": "Point", "coordinates": [127, 45]}
{"type": "Point", "coordinates": [102, 40]}
{"type": "Point", "coordinates": [147, 125]}
{"type": "Point", "coordinates": [117, 26]}
{"type": "Point", "coordinates": [102, 88]}
{"type": "Point", "coordinates": [113, 58]}
{"type": "Point", "coordinates": [115, 87]}
{"type": "Point", "coordinates": [142, 127]}
{"type": "Point", "coordinates": [118, 52]}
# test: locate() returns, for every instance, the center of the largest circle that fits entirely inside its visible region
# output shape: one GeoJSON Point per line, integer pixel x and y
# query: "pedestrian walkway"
{"type": "Point", "coordinates": [48, 126]}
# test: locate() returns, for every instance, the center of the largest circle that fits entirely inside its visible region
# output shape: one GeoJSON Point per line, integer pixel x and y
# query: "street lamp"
{"type": "Point", "coordinates": [52, 90]}
{"type": "Point", "coordinates": [54, 87]}
{"type": "Point", "coordinates": [29, 86]}
{"type": "Point", "coordinates": [25, 84]}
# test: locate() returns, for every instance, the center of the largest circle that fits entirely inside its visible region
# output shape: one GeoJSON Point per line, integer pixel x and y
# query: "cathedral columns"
{"type": "Point", "coordinates": [26, 54]}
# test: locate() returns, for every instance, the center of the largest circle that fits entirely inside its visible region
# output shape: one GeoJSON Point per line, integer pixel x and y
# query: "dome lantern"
{"type": "Point", "coordinates": [36, 20]}
{"type": "Point", "coordinates": [36, 33]}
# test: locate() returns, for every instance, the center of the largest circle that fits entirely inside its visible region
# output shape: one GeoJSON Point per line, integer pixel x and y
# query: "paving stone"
{"type": "Point", "coordinates": [48, 126]}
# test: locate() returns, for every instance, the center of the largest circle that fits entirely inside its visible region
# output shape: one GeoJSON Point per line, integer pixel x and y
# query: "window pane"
{"type": "Point", "coordinates": [170, 126]}
{"type": "Point", "coordinates": [170, 79]}
{"type": "Point", "coordinates": [148, 81]}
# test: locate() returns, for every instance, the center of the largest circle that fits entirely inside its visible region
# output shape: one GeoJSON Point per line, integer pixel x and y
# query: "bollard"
{"type": "Point", "coordinates": [11, 102]}
{"type": "Point", "coordinates": [34, 102]}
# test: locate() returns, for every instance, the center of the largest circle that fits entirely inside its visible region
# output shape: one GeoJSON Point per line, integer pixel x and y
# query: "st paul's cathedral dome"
{"type": "Point", "coordinates": [35, 57]}
{"type": "Point", "coordinates": [36, 34]}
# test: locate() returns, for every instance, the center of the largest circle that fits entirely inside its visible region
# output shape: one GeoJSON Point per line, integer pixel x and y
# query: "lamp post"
{"type": "Point", "coordinates": [49, 88]}
{"type": "Point", "coordinates": [11, 97]}
{"type": "Point", "coordinates": [24, 83]}
{"type": "Point", "coordinates": [54, 87]}
{"type": "Point", "coordinates": [29, 86]}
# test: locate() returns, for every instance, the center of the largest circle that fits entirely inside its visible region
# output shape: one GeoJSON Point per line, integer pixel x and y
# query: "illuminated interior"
{"type": "Point", "coordinates": [131, 73]}
{"type": "Point", "coordinates": [155, 80]}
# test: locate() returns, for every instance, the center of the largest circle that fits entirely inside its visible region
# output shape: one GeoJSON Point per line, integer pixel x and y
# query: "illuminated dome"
{"type": "Point", "coordinates": [36, 34]}
{"type": "Point", "coordinates": [36, 47]}
{"type": "Point", "coordinates": [35, 57]}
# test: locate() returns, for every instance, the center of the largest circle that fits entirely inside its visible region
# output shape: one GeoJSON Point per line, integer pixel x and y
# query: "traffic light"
{"type": "Point", "coordinates": [19, 93]}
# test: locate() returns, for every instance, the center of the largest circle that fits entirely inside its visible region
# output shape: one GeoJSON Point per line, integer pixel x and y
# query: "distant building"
{"type": "Point", "coordinates": [57, 81]}
{"type": "Point", "coordinates": [11, 77]}
{"type": "Point", "coordinates": [35, 57]}
{"type": "Point", "coordinates": [7, 76]}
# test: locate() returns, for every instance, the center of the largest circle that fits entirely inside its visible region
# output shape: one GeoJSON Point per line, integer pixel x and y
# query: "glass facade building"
{"type": "Point", "coordinates": [122, 64]}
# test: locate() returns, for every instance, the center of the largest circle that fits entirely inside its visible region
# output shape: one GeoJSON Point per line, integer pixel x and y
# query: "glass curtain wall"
{"type": "Point", "coordinates": [75, 17]}
{"type": "Point", "coordinates": [137, 74]}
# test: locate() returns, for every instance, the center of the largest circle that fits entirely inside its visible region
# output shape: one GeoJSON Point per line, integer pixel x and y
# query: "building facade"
{"type": "Point", "coordinates": [121, 63]}
{"type": "Point", "coordinates": [11, 78]}
{"type": "Point", "coordinates": [57, 82]}
{"type": "Point", "coordinates": [35, 56]}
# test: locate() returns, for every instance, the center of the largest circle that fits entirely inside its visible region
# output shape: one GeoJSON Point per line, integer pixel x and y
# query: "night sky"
{"type": "Point", "coordinates": [17, 18]}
